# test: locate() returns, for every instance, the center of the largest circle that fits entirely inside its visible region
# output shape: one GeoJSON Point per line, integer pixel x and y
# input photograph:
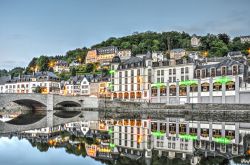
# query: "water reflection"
{"type": "Point", "coordinates": [173, 140]}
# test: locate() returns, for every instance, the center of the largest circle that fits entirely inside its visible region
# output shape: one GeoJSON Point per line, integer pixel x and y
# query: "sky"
{"type": "Point", "coordinates": [30, 28]}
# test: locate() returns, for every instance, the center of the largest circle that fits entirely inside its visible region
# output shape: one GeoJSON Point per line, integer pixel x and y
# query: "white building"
{"type": "Point", "coordinates": [195, 41]}
{"type": "Point", "coordinates": [81, 126]}
{"type": "Point", "coordinates": [177, 53]}
{"type": "Point", "coordinates": [61, 66]}
{"type": "Point", "coordinates": [48, 82]}
{"type": "Point", "coordinates": [157, 56]}
{"type": "Point", "coordinates": [124, 54]}
{"type": "Point", "coordinates": [131, 136]}
{"type": "Point", "coordinates": [130, 79]}
{"type": "Point", "coordinates": [244, 39]}
{"type": "Point", "coordinates": [78, 85]}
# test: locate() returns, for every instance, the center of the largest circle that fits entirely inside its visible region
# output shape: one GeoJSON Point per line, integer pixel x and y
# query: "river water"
{"type": "Point", "coordinates": [28, 138]}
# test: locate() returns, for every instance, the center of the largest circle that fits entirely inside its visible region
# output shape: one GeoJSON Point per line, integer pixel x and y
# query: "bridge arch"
{"type": "Point", "coordinates": [68, 104]}
{"type": "Point", "coordinates": [33, 101]}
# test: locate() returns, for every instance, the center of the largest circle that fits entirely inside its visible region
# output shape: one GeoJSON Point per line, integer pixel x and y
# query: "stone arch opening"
{"type": "Point", "coordinates": [68, 104]}
{"type": "Point", "coordinates": [33, 104]}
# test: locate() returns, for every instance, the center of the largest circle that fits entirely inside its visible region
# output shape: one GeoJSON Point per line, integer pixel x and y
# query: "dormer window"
{"type": "Point", "coordinates": [213, 72]}
{"type": "Point", "coordinates": [223, 70]}
{"type": "Point", "coordinates": [198, 73]}
{"type": "Point", "coordinates": [203, 73]}
{"type": "Point", "coordinates": [235, 70]}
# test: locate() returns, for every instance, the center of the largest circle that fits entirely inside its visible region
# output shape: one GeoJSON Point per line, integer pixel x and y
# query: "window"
{"type": "Point", "coordinates": [182, 70]}
{"type": "Point", "coordinates": [138, 72]}
{"type": "Point", "coordinates": [132, 73]}
{"type": "Point", "coordinates": [223, 70]}
{"type": "Point", "coordinates": [182, 78]}
{"type": "Point", "coordinates": [126, 73]}
{"type": "Point", "coordinates": [158, 72]}
{"type": "Point", "coordinates": [235, 70]}
{"type": "Point", "coordinates": [186, 77]}
{"type": "Point", "coordinates": [174, 71]}
{"type": "Point", "coordinates": [203, 73]}
{"type": "Point", "coordinates": [170, 79]}
{"type": "Point", "coordinates": [162, 79]}
{"type": "Point", "coordinates": [198, 73]}
{"type": "Point", "coordinates": [162, 72]}
{"type": "Point", "coordinates": [149, 75]}
{"type": "Point", "coordinates": [170, 71]}
{"type": "Point", "coordinates": [213, 72]}
{"type": "Point", "coordinates": [174, 79]}
{"type": "Point", "coordinates": [186, 69]}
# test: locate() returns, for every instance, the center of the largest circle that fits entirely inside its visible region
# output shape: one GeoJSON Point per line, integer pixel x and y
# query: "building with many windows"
{"type": "Point", "coordinates": [47, 82]}
{"type": "Point", "coordinates": [131, 137]}
{"type": "Point", "coordinates": [77, 85]}
{"type": "Point", "coordinates": [130, 80]}
{"type": "Point", "coordinates": [61, 66]}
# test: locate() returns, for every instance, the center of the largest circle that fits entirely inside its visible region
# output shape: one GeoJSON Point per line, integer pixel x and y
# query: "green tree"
{"type": "Point", "coordinates": [73, 72]}
{"type": "Point", "coordinates": [16, 71]}
{"type": "Point", "coordinates": [90, 67]}
{"type": "Point", "coordinates": [218, 48]}
{"type": "Point", "coordinates": [224, 37]}
{"type": "Point", "coordinates": [43, 63]}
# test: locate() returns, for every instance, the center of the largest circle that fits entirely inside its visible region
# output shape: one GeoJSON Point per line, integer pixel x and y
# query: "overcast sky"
{"type": "Point", "coordinates": [30, 28]}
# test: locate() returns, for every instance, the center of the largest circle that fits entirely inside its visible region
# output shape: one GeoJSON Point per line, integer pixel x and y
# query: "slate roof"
{"type": "Point", "coordinates": [226, 62]}
{"type": "Point", "coordinates": [4, 79]}
{"type": "Point", "coordinates": [133, 60]}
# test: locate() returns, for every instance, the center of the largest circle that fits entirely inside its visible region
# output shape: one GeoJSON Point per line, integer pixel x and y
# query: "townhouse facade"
{"type": "Point", "coordinates": [131, 79]}
{"type": "Point", "coordinates": [77, 85]}
{"type": "Point", "coordinates": [48, 82]}
{"type": "Point", "coordinates": [190, 79]}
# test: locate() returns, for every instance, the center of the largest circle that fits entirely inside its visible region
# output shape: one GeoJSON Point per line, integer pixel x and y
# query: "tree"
{"type": "Point", "coordinates": [218, 48]}
{"type": "Point", "coordinates": [38, 89]}
{"type": "Point", "coordinates": [16, 71]}
{"type": "Point", "coordinates": [43, 63]}
{"type": "Point", "coordinates": [90, 68]}
{"type": "Point", "coordinates": [73, 72]}
{"type": "Point", "coordinates": [224, 37]}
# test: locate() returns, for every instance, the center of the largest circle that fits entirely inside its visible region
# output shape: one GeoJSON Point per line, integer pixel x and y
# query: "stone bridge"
{"type": "Point", "coordinates": [48, 102]}
{"type": "Point", "coordinates": [51, 119]}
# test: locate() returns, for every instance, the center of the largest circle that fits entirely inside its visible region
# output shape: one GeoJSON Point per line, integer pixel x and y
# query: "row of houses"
{"type": "Point", "coordinates": [180, 79]}
{"type": "Point", "coordinates": [189, 79]}
{"type": "Point", "coordinates": [48, 82]}
{"type": "Point", "coordinates": [171, 137]}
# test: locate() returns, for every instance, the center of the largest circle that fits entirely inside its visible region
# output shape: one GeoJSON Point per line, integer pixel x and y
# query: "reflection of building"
{"type": "Point", "coordinates": [78, 127]}
{"type": "Point", "coordinates": [47, 82]}
{"type": "Point", "coordinates": [177, 136]}
{"type": "Point", "coordinates": [91, 150]}
{"type": "Point", "coordinates": [131, 136]}
{"type": "Point", "coordinates": [130, 79]}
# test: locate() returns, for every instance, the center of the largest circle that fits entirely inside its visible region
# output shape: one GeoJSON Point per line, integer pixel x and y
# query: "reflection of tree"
{"type": "Point", "coordinates": [78, 149]}
{"type": "Point", "coordinates": [214, 160]}
{"type": "Point", "coordinates": [42, 147]}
